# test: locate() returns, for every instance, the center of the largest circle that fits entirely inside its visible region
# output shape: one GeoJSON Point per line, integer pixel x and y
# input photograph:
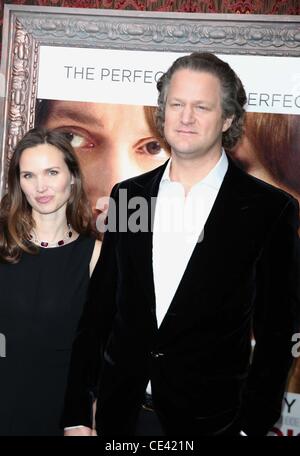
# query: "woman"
{"type": "Point", "coordinates": [47, 256]}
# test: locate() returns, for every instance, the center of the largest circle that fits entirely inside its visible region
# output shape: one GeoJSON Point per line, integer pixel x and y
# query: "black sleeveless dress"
{"type": "Point", "coordinates": [41, 301]}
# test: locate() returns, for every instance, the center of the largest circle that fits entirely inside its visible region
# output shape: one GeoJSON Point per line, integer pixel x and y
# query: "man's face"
{"type": "Point", "coordinates": [112, 143]}
{"type": "Point", "coordinates": [193, 114]}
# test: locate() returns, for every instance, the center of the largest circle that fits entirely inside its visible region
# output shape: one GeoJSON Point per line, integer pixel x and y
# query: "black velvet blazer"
{"type": "Point", "coordinates": [242, 279]}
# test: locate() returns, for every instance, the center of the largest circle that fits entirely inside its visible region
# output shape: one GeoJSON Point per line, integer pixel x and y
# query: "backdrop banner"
{"type": "Point", "coordinates": [129, 77]}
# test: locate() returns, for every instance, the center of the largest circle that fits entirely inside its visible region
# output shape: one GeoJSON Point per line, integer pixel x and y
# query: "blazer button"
{"type": "Point", "coordinates": [157, 354]}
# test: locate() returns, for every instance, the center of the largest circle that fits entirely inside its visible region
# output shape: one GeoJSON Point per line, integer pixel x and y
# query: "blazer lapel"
{"type": "Point", "coordinates": [142, 242]}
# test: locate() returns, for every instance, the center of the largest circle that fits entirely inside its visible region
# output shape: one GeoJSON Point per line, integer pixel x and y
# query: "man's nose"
{"type": "Point", "coordinates": [187, 115]}
{"type": "Point", "coordinates": [119, 164]}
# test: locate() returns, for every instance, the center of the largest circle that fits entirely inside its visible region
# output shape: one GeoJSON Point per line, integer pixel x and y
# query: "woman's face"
{"type": "Point", "coordinates": [45, 179]}
{"type": "Point", "coordinates": [112, 143]}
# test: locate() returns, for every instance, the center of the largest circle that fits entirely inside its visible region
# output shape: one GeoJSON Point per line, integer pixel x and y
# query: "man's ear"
{"type": "Point", "coordinates": [227, 123]}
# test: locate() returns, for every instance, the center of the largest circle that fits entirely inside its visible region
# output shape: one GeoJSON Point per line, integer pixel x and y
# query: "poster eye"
{"type": "Point", "coordinates": [75, 139]}
{"type": "Point", "coordinates": [153, 147]}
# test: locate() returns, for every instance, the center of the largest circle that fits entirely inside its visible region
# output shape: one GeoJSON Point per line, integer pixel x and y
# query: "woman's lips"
{"type": "Point", "coordinates": [44, 199]}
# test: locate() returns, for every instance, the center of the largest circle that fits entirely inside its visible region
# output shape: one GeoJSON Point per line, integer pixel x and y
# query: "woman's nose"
{"type": "Point", "coordinates": [41, 184]}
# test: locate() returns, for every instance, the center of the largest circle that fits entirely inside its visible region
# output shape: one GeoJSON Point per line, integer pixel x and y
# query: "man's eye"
{"type": "Point", "coordinates": [75, 139]}
{"type": "Point", "coordinates": [78, 141]}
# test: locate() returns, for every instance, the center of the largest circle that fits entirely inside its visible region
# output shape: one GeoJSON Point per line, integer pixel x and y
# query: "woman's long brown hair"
{"type": "Point", "coordinates": [16, 221]}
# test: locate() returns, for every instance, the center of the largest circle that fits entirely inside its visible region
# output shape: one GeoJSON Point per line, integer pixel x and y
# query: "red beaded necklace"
{"type": "Point", "coordinates": [69, 233]}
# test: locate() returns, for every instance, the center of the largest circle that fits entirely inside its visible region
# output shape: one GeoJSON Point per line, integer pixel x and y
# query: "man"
{"type": "Point", "coordinates": [173, 310]}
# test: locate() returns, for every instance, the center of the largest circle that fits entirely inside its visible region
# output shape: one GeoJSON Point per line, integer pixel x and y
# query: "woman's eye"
{"type": "Point", "coordinates": [153, 148]}
{"type": "Point", "coordinates": [27, 176]}
{"type": "Point", "coordinates": [53, 172]}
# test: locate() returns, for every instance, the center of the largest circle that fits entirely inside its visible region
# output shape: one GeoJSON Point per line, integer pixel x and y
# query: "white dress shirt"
{"type": "Point", "coordinates": [178, 225]}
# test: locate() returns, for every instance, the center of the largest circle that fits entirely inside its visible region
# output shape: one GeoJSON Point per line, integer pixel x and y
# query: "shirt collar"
{"type": "Point", "coordinates": [213, 179]}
